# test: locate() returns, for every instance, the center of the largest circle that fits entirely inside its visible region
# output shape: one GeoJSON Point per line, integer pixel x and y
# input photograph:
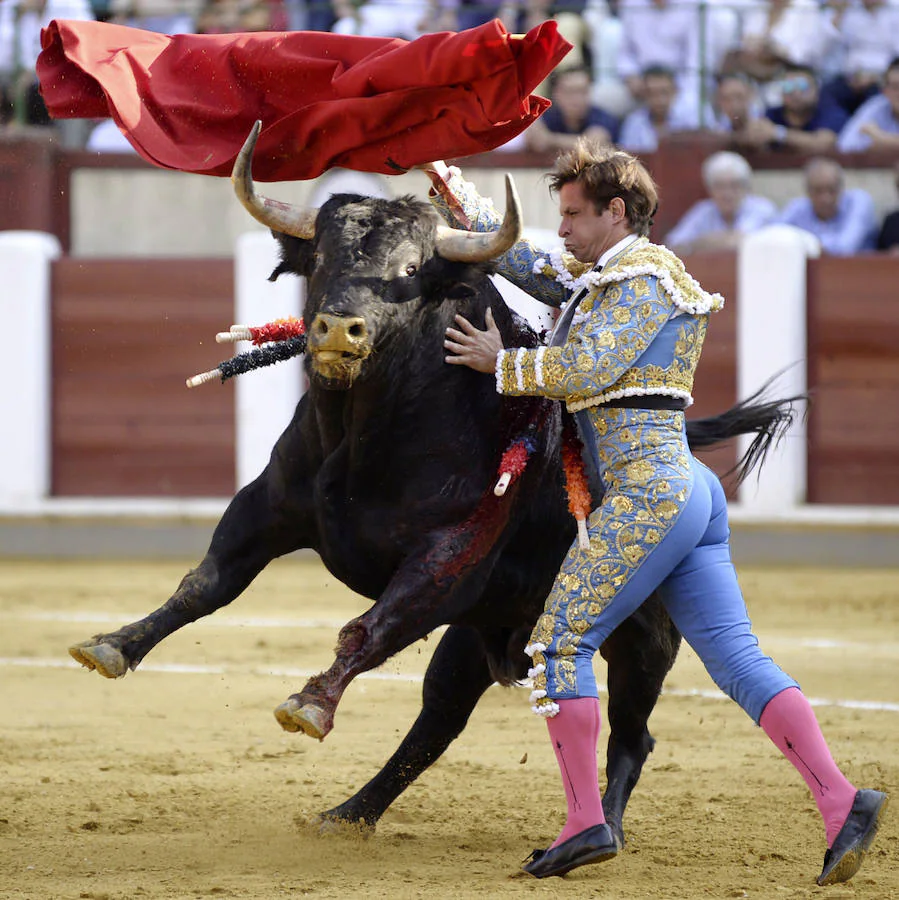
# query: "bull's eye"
{"type": "Point", "coordinates": [411, 269]}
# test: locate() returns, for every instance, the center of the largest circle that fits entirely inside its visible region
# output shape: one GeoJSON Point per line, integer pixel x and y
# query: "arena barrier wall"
{"type": "Point", "coordinates": [98, 417]}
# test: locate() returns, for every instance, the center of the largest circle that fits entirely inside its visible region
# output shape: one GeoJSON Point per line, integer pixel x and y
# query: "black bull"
{"type": "Point", "coordinates": [387, 470]}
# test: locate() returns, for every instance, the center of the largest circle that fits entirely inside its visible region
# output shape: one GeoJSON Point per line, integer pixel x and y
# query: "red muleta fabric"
{"type": "Point", "coordinates": [188, 102]}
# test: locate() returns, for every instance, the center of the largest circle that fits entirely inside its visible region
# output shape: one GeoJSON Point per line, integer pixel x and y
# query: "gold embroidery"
{"type": "Point", "coordinates": [643, 498]}
{"type": "Point", "coordinates": [641, 287]}
{"type": "Point", "coordinates": [529, 375]}
{"type": "Point", "coordinates": [605, 341]}
{"type": "Point", "coordinates": [639, 472]}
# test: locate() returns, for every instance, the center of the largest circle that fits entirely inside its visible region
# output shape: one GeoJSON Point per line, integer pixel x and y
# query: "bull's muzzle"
{"type": "Point", "coordinates": [338, 346]}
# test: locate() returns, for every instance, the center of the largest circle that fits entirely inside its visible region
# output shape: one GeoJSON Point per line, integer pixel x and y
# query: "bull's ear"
{"type": "Point", "coordinates": [296, 256]}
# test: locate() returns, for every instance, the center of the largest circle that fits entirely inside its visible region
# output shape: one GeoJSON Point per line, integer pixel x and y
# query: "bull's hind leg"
{"type": "Point", "coordinates": [246, 539]}
{"type": "Point", "coordinates": [640, 653]}
{"type": "Point", "coordinates": [456, 678]}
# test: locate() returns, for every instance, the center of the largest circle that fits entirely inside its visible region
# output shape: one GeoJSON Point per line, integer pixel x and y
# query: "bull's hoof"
{"type": "Point", "coordinates": [618, 834]}
{"type": "Point", "coordinates": [328, 825]}
{"type": "Point", "coordinates": [103, 658]}
{"type": "Point", "coordinates": [295, 716]}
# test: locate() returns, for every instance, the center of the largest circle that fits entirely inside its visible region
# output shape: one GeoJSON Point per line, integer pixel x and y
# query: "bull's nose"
{"type": "Point", "coordinates": [338, 332]}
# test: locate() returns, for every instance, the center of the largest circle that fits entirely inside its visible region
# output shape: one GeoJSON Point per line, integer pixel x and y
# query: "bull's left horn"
{"type": "Point", "coordinates": [284, 218]}
{"type": "Point", "coordinates": [475, 246]}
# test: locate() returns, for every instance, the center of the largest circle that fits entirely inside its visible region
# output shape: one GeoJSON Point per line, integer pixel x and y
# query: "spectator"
{"type": "Point", "coordinates": [888, 239]}
{"type": "Point", "coordinates": [570, 116]}
{"type": "Point", "coordinates": [875, 126]}
{"type": "Point", "coordinates": [568, 16]}
{"type": "Point", "coordinates": [406, 19]}
{"type": "Point", "coordinates": [657, 117]}
{"type": "Point", "coordinates": [778, 33]}
{"type": "Point", "coordinates": [736, 103]}
{"type": "Point", "coordinates": [606, 35]}
{"type": "Point", "coordinates": [670, 35]}
{"type": "Point", "coordinates": [457, 15]}
{"type": "Point", "coordinates": [842, 219]}
{"type": "Point", "coordinates": [867, 38]}
{"type": "Point", "coordinates": [803, 122]}
{"type": "Point", "coordinates": [729, 212]}
{"type": "Point", "coordinates": [162, 16]}
{"type": "Point", "coordinates": [232, 16]}
{"type": "Point", "coordinates": [21, 22]}
{"type": "Point", "coordinates": [320, 15]}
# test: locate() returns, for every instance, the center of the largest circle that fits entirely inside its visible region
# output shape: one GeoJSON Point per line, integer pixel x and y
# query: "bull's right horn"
{"type": "Point", "coordinates": [284, 218]}
{"type": "Point", "coordinates": [476, 246]}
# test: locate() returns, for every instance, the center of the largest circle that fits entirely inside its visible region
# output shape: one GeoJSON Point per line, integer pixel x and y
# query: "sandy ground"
{"type": "Point", "coordinates": [176, 782]}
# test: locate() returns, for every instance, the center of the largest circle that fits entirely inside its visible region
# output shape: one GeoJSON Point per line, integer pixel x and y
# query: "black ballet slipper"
{"type": "Point", "coordinates": [592, 845]}
{"type": "Point", "coordinates": [845, 856]}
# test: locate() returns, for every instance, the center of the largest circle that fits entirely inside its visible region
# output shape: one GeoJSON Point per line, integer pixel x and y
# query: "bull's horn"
{"type": "Point", "coordinates": [284, 218]}
{"type": "Point", "coordinates": [475, 246]}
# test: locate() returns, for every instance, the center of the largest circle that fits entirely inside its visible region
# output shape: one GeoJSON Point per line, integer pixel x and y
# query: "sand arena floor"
{"type": "Point", "coordinates": [176, 781]}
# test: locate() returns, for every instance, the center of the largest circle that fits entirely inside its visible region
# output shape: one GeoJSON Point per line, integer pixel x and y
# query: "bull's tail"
{"type": "Point", "coordinates": [768, 420]}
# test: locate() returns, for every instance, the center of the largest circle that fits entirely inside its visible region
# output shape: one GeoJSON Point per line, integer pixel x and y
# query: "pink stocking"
{"type": "Point", "coordinates": [574, 731]}
{"type": "Point", "coordinates": [791, 724]}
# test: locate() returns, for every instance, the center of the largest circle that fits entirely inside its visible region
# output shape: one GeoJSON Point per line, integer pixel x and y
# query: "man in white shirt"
{"type": "Point", "coordinates": [21, 22]}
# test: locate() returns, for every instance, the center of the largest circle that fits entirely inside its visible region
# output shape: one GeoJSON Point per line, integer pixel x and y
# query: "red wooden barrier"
{"type": "Point", "coordinates": [853, 373]}
{"type": "Point", "coordinates": [126, 334]}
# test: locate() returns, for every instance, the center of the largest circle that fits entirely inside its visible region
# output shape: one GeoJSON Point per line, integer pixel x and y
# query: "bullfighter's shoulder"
{"type": "Point", "coordinates": [645, 260]}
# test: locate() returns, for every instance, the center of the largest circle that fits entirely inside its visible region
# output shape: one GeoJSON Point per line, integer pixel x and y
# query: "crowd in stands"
{"type": "Point", "coordinates": [811, 76]}
{"type": "Point", "coordinates": [843, 219]}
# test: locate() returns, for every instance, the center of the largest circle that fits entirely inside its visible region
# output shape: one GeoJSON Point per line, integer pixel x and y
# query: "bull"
{"type": "Point", "coordinates": [386, 471]}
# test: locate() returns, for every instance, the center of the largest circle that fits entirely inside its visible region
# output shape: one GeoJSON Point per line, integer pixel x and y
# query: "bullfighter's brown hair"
{"type": "Point", "coordinates": [603, 172]}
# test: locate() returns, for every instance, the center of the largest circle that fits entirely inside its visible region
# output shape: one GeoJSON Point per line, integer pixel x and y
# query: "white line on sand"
{"type": "Point", "coordinates": [228, 621]}
{"type": "Point", "coordinates": [36, 662]}
{"type": "Point", "coordinates": [112, 618]}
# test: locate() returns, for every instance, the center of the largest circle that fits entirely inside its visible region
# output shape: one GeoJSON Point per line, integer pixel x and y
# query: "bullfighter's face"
{"type": "Point", "coordinates": [587, 233]}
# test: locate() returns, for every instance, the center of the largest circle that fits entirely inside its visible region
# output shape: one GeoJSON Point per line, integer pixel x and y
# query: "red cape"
{"type": "Point", "coordinates": [188, 101]}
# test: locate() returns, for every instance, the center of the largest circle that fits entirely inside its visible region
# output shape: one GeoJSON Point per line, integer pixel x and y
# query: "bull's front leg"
{"type": "Point", "coordinates": [249, 535]}
{"type": "Point", "coordinates": [639, 653]}
{"type": "Point", "coordinates": [456, 677]}
{"type": "Point", "coordinates": [431, 589]}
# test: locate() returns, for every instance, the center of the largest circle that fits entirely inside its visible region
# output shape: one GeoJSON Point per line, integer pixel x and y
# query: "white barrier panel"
{"type": "Point", "coordinates": [266, 398]}
{"type": "Point", "coordinates": [771, 339]}
{"type": "Point", "coordinates": [25, 258]}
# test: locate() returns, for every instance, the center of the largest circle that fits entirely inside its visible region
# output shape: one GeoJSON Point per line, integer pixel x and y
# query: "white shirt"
{"type": "Point", "coordinates": [801, 35]}
{"type": "Point", "coordinates": [20, 44]}
{"type": "Point", "coordinates": [563, 323]}
{"type": "Point", "coordinates": [868, 39]}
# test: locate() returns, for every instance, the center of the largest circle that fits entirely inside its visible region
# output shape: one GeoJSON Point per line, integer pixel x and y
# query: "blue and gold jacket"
{"type": "Point", "coordinates": [638, 328]}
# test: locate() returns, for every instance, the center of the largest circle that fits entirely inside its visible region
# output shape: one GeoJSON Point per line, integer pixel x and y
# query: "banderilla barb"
{"type": "Point", "coordinates": [282, 339]}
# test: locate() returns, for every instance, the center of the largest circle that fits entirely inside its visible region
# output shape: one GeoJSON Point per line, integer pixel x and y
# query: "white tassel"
{"type": "Point", "coordinates": [237, 333]}
{"type": "Point", "coordinates": [583, 538]}
{"type": "Point", "coordinates": [203, 378]}
{"type": "Point", "coordinates": [504, 481]}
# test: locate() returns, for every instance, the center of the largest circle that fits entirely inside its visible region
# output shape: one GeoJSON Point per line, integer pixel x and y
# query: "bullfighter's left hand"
{"type": "Point", "coordinates": [472, 347]}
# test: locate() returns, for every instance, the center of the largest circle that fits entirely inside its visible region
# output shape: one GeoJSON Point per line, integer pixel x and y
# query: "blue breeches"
{"type": "Point", "coordinates": [662, 526]}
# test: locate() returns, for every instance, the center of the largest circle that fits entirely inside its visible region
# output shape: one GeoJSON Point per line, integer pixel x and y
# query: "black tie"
{"type": "Point", "coordinates": [563, 325]}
